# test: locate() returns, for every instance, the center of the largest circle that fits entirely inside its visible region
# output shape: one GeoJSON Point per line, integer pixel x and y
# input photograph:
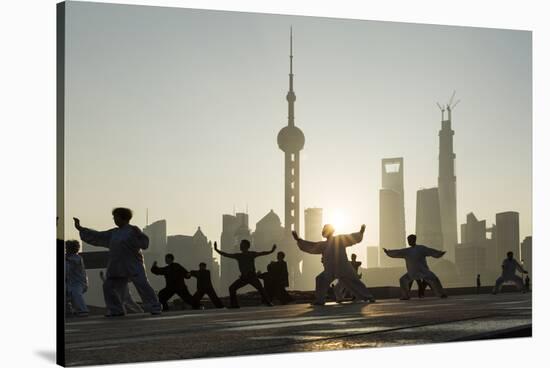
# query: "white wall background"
{"type": "Point", "coordinates": [27, 144]}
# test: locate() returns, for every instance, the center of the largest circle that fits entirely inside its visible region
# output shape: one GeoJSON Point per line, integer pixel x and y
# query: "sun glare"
{"type": "Point", "coordinates": [339, 220]}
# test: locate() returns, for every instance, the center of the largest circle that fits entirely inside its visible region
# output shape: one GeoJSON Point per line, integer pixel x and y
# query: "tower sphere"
{"type": "Point", "coordinates": [291, 139]}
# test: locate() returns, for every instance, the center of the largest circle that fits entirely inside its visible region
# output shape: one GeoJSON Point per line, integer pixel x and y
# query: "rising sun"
{"type": "Point", "coordinates": [338, 219]}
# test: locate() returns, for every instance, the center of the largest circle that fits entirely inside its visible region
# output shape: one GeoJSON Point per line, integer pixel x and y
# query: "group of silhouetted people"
{"type": "Point", "coordinates": [125, 265]}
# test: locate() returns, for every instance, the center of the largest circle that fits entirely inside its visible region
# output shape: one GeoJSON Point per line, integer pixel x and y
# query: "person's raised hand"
{"type": "Point", "coordinates": [155, 264]}
{"type": "Point", "coordinates": [363, 227]}
{"type": "Point", "coordinates": [216, 245]}
{"type": "Point", "coordinates": [274, 247]}
{"type": "Point", "coordinates": [77, 223]}
{"type": "Point", "coordinates": [295, 235]}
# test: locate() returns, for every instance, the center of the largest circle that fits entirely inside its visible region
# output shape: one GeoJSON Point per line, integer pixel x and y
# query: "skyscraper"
{"type": "Point", "coordinates": [447, 185]}
{"type": "Point", "coordinates": [157, 236]}
{"type": "Point", "coordinates": [507, 234]}
{"type": "Point", "coordinates": [392, 209]}
{"type": "Point", "coordinates": [372, 257]}
{"type": "Point", "coordinates": [313, 218]}
{"type": "Point", "coordinates": [428, 218]}
{"type": "Point", "coordinates": [311, 266]}
{"type": "Point", "coordinates": [291, 141]}
{"type": "Point", "coordinates": [471, 255]}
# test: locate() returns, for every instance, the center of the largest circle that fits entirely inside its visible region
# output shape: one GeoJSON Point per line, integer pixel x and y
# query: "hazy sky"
{"type": "Point", "coordinates": [178, 111]}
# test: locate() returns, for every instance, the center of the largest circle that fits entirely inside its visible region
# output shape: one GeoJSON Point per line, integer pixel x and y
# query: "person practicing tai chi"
{"type": "Point", "coordinates": [76, 280]}
{"type": "Point", "coordinates": [125, 263]}
{"type": "Point", "coordinates": [421, 287]}
{"type": "Point", "coordinates": [204, 286]}
{"type": "Point", "coordinates": [248, 272]}
{"type": "Point", "coordinates": [356, 264]}
{"type": "Point", "coordinates": [417, 267]}
{"type": "Point", "coordinates": [129, 304]}
{"type": "Point", "coordinates": [175, 275]}
{"type": "Point", "coordinates": [339, 291]}
{"type": "Point", "coordinates": [336, 263]}
{"type": "Point", "coordinates": [276, 279]}
{"type": "Point", "coordinates": [509, 268]}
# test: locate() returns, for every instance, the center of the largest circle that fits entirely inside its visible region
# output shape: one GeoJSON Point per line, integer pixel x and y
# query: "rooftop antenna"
{"type": "Point", "coordinates": [451, 106]}
{"type": "Point", "coordinates": [442, 110]}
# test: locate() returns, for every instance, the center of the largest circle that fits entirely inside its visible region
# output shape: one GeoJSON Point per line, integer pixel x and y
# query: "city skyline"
{"type": "Point", "coordinates": [346, 163]}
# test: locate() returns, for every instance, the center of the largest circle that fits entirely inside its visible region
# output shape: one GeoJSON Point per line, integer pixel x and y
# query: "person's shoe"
{"type": "Point", "coordinates": [233, 307]}
{"type": "Point", "coordinates": [316, 304]}
{"type": "Point", "coordinates": [83, 314]}
{"type": "Point", "coordinates": [114, 315]}
{"type": "Point", "coordinates": [443, 296]}
{"type": "Point", "coordinates": [339, 301]}
{"type": "Point", "coordinates": [404, 298]}
{"type": "Point", "coordinates": [156, 313]}
{"type": "Point", "coordinates": [268, 304]}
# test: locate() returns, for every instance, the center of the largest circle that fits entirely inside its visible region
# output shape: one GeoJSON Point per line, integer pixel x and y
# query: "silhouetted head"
{"type": "Point", "coordinates": [245, 245]}
{"type": "Point", "coordinates": [353, 257]}
{"type": "Point", "coordinates": [169, 258]}
{"type": "Point", "coordinates": [328, 230]}
{"type": "Point", "coordinates": [72, 246]}
{"type": "Point", "coordinates": [122, 216]}
{"type": "Point", "coordinates": [202, 266]}
{"type": "Point", "coordinates": [411, 239]}
{"type": "Point", "coordinates": [478, 275]}
{"type": "Point", "coordinates": [280, 256]}
{"type": "Point", "coordinates": [510, 255]}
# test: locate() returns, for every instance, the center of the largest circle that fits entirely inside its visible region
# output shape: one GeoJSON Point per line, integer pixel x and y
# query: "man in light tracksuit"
{"type": "Point", "coordinates": [417, 267]}
{"type": "Point", "coordinates": [125, 244]}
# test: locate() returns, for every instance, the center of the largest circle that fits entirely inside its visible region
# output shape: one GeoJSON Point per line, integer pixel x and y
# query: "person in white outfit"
{"type": "Point", "coordinates": [509, 268]}
{"type": "Point", "coordinates": [417, 267]}
{"type": "Point", "coordinates": [336, 263]}
{"type": "Point", "coordinates": [128, 302]}
{"type": "Point", "coordinates": [76, 280]}
{"type": "Point", "coordinates": [125, 244]}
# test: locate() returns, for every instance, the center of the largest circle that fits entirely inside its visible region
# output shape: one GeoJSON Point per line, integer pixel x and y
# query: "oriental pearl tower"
{"type": "Point", "coordinates": [291, 141]}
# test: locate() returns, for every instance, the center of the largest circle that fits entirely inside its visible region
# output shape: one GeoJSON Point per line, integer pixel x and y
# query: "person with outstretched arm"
{"type": "Point", "coordinates": [509, 268]}
{"type": "Point", "coordinates": [336, 263]}
{"type": "Point", "coordinates": [175, 275]}
{"type": "Point", "coordinates": [247, 268]}
{"type": "Point", "coordinates": [417, 267]}
{"type": "Point", "coordinates": [125, 243]}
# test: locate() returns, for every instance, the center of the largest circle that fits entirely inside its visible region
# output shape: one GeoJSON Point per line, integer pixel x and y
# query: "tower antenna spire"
{"type": "Point", "coordinates": [291, 50]}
